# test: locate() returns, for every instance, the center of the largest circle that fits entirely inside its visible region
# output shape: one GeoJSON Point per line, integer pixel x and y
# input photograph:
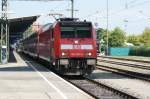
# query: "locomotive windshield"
{"type": "Point", "coordinates": [75, 32]}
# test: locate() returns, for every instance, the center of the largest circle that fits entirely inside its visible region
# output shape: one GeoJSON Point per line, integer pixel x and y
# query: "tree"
{"type": "Point", "coordinates": [117, 38]}
{"type": "Point", "coordinates": [145, 37]}
{"type": "Point", "coordinates": [102, 36]}
{"type": "Point", "coordinates": [134, 39]}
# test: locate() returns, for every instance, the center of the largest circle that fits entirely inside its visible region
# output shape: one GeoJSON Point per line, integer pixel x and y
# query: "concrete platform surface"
{"type": "Point", "coordinates": [134, 87]}
{"type": "Point", "coordinates": [29, 80]}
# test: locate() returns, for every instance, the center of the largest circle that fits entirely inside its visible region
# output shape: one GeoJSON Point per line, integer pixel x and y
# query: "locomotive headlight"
{"type": "Point", "coordinates": [62, 53]}
{"type": "Point", "coordinates": [89, 54]}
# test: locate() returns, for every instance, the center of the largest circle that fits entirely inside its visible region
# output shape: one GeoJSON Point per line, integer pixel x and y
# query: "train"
{"type": "Point", "coordinates": [68, 45]}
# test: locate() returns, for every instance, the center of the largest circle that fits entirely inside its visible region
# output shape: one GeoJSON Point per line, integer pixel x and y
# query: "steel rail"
{"type": "Point", "coordinates": [104, 86]}
{"type": "Point", "coordinates": [134, 60]}
{"type": "Point", "coordinates": [125, 73]}
{"type": "Point", "coordinates": [125, 64]}
{"type": "Point", "coordinates": [114, 90]}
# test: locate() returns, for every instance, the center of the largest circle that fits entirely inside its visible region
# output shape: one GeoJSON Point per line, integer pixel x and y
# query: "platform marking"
{"type": "Point", "coordinates": [64, 97]}
{"type": "Point", "coordinates": [79, 90]}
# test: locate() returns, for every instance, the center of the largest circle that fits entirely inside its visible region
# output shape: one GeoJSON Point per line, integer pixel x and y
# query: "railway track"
{"type": "Point", "coordinates": [126, 64]}
{"type": "Point", "coordinates": [125, 59]}
{"type": "Point", "coordinates": [125, 67]}
{"type": "Point", "coordinates": [124, 73]}
{"type": "Point", "coordinates": [97, 89]}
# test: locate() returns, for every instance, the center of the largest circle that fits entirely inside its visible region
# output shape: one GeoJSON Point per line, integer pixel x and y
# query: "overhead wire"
{"type": "Point", "coordinates": [132, 4]}
{"type": "Point", "coordinates": [52, 9]}
{"type": "Point", "coordinates": [133, 1]}
{"type": "Point", "coordinates": [140, 3]}
{"type": "Point", "coordinates": [123, 9]}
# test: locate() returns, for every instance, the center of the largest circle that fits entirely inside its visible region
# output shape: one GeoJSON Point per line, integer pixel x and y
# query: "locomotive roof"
{"type": "Point", "coordinates": [68, 19]}
{"type": "Point", "coordinates": [66, 23]}
{"type": "Point", "coordinates": [46, 27]}
{"type": "Point", "coordinates": [75, 23]}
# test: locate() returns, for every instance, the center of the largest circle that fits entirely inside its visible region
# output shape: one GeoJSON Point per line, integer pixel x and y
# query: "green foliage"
{"type": "Point", "coordinates": [145, 37]}
{"type": "Point", "coordinates": [117, 38]}
{"type": "Point", "coordinates": [134, 40]}
{"type": "Point", "coordinates": [102, 36]}
{"type": "Point", "coordinates": [140, 51]}
{"type": "Point", "coordinates": [142, 39]}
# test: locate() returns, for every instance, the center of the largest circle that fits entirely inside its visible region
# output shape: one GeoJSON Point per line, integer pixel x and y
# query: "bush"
{"type": "Point", "coordinates": [140, 51]}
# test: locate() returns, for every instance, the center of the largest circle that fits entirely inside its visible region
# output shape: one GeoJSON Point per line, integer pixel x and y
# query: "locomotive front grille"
{"type": "Point", "coordinates": [77, 63]}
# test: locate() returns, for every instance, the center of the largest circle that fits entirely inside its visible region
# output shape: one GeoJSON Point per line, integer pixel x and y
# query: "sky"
{"type": "Point", "coordinates": [130, 15]}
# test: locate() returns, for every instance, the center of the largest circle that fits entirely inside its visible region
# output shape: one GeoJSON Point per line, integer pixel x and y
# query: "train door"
{"type": "Point", "coordinates": [51, 45]}
{"type": "Point", "coordinates": [37, 45]}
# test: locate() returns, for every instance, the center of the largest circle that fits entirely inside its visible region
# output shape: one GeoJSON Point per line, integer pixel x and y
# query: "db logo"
{"type": "Point", "coordinates": [76, 47]}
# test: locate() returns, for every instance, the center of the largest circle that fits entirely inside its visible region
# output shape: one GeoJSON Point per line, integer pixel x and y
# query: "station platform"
{"type": "Point", "coordinates": [25, 79]}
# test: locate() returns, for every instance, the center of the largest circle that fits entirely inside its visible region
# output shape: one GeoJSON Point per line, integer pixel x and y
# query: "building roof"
{"type": "Point", "coordinates": [20, 24]}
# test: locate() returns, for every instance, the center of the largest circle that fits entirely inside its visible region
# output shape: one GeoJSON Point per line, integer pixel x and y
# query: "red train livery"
{"type": "Point", "coordinates": [68, 45]}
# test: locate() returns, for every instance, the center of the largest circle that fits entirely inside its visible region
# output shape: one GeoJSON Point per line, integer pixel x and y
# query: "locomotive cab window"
{"type": "Point", "coordinates": [75, 32]}
{"type": "Point", "coordinates": [67, 32]}
{"type": "Point", "coordinates": [83, 32]}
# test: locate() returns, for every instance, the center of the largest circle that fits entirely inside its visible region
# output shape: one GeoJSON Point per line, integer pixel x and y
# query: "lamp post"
{"type": "Point", "coordinates": [72, 8]}
{"type": "Point", "coordinates": [107, 48]}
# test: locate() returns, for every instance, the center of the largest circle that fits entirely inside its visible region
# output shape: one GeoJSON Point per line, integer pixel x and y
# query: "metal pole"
{"type": "Point", "coordinates": [1, 42]}
{"type": "Point", "coordinates": [4, 33]}
{"type": "Point", "coordinates": [8, 48]}
{"type": "Point", "coordinates": [107, 30]}
{"type": "Point", "coordinates": [72, 8]}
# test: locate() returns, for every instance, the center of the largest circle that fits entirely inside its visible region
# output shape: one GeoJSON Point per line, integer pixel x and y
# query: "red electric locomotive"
{"type": "Point", "coordinates": [68, 45]}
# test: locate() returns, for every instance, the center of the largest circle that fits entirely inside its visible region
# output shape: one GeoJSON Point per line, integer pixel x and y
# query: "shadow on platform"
{"type": "Point", "coordinates": [12, 58]}
{"type": "Point", "coordinates": [21, 69]}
